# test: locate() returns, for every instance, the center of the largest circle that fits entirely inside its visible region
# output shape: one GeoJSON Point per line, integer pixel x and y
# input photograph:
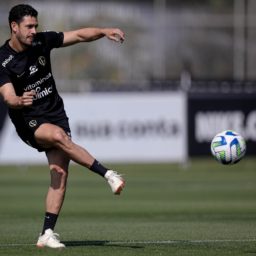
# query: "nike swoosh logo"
{"type": "Point", "coordinates": [20, 75]}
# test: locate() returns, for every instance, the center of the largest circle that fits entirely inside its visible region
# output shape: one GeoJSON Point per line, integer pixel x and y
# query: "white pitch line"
{"type": "Point", "coordinates": [183, 241]}
{"type": "Point", "coordinates": [134, 242]}
{"type": "Point", "coordinates": [16, 245]}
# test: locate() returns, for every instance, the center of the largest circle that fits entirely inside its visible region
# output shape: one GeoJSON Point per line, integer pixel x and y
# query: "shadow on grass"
{"type": "Point", "coordinates": [100, 243]}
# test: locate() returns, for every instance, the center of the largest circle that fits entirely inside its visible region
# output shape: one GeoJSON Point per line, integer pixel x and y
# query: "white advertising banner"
{"type": "Point", "coordinates": [116, 127]}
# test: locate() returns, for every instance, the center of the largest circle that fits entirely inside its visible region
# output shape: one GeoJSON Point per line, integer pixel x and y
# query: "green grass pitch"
{"type": "Point", "coordinates": [165, 209]}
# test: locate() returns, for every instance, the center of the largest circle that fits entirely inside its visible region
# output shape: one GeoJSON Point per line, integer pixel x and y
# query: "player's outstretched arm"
{"type": "Point", "coordinates": [92, 34]}
{"type": "Point", "coordinates": [12, 100]}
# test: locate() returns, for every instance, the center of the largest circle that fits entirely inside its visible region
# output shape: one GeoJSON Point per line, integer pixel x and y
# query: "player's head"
{"type": "Point", "coordinates": [23, 22]}
{"type": "Point", "coordinates": [18, 12]}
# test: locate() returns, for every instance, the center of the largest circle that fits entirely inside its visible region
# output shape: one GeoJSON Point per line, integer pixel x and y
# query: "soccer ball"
{"type": "Point", "coordinates": [228, 147]}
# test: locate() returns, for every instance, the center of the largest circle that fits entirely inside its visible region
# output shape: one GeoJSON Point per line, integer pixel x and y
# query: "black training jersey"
{"type": "Point", "coordinates": [31, 70]}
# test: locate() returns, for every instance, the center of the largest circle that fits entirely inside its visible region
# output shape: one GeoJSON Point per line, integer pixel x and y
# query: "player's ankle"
{"type": "Point", "coordinates": [98, 168]}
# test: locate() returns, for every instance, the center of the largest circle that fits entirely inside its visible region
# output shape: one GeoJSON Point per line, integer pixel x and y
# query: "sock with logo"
{"type": "Point", "coordinates": [98, 168]}
{"type": "Point", "coordinates": [50, 220]}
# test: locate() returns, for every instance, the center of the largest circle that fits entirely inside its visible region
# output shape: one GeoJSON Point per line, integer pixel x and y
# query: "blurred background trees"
{"type": "Point", "coordinates": [209, 39]}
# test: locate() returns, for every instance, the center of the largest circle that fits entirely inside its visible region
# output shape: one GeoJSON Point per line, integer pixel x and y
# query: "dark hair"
{"type": "Point", "coordinates": [18, 12]}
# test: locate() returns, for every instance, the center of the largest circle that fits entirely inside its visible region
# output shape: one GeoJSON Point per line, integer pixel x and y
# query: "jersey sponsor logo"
{"type": "Point", "coordinates": [32, 123]}
{"type": "Point", "coordinates": [37, 83]}
{"type": "Point", "coordinates": [7, 60]}
{"type": "Point", "coordinates": [33, 69]}
{"type": "Point", "coordinates": [42, 60]}
{"type": "Point", "coordinates": [41, 94]}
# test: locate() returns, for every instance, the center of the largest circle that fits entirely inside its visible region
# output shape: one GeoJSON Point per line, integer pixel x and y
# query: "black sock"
{"type": "Point", "coordinates": [98, 168]}
{"type": "Point", "coordinates": [50, 220]}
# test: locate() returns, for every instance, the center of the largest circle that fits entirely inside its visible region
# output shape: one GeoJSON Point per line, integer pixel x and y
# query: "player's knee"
{"type": "Point", "coordinates": [58, 135]}
{"type": "Point", "coordinates": [58, 171]}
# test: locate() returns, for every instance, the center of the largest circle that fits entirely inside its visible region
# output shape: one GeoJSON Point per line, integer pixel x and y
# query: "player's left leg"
{"type": "Point", "coordinates": [52, 136]}
{"type": "Point", "coordinates": [58, 163]}
{"type": "Point", "coordinates": [49, 135]}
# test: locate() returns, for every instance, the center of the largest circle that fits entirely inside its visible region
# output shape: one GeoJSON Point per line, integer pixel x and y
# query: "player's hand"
{"type": "Point", "coordinates": [27, 98]}
{"type": "Point", "coordinates": [115, 34]}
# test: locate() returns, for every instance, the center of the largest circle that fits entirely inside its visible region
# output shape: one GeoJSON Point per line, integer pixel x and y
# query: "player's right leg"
{"type": "Point", "coordinates": [58, 163]}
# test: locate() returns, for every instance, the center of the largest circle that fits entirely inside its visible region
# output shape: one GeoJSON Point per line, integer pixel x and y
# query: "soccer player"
{"type": "Point", "coordinates": [36, 109]}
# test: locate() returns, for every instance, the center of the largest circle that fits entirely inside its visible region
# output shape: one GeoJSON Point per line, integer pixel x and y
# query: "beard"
{"type": "Point", "coordinates": [25, 41]}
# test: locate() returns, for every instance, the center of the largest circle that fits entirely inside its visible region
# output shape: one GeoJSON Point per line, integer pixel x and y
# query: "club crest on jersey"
{"type": "Point", "coordinates": [33, 69]}
{"type": "Point", "coordinates": [42, 60]}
